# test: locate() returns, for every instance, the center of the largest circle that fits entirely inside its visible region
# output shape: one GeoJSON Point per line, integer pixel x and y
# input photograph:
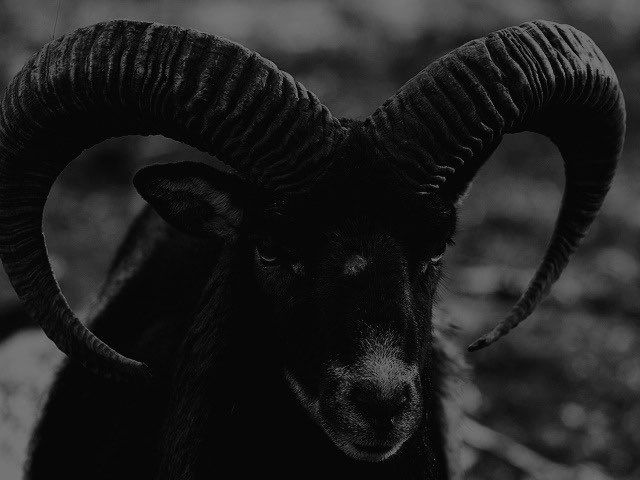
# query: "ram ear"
{"type": "Point", "coordinates": [195, 198]}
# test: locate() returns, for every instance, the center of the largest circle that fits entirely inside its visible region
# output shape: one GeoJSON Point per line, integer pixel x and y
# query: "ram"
{"type": "Point", "coordinates": [275, 318]}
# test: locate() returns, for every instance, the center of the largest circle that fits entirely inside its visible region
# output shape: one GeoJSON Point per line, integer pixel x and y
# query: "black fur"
{"type": "Point", "coordinates": [217, 326]}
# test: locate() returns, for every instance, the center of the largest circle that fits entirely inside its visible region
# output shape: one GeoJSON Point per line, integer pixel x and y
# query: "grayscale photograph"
{"type": "Point", "coordinates": [319, 239]}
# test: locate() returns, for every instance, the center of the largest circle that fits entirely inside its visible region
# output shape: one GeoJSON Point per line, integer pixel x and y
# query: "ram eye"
{"type": "Point", "coordinates": [436, 258]}
{"type": "Point", "coordinates": [270, 253]}
{"type": "Point", "coordinates": [437, 254]}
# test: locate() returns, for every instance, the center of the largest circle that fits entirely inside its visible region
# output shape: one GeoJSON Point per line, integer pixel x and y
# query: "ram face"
{"type": "Point", "coordinates": [355, 305]}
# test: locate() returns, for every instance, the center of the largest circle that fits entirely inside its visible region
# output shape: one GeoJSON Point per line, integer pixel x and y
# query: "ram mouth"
{"type": "Point", "coordinates": [311, 405]}
{"type": "Point", "coordinates": [373, 449]}
{"type": "Point", "coordinates": [371, 453]}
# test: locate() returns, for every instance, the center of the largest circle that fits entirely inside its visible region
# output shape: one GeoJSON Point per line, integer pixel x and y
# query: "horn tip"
{"type": "Point", "coordinates": [145, 373]}
{"type": "Point", "coordinates": [140, 373]}
{"type": "Point", "coordinates": [486, 340]}
{"type": "Point", "coordinates": [477, 345]}
{"type": "Point", "coordinates": [132, 372]}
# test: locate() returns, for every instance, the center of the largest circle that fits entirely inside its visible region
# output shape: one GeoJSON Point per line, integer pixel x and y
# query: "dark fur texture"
{"type": "Point", "coordinates": [126, 431]}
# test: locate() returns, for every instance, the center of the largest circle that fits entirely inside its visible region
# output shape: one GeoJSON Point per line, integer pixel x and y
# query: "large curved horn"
{"type": "Point", "coordinates": [120, 78]}
{"type": "Point", "coordinates": [443, 124]}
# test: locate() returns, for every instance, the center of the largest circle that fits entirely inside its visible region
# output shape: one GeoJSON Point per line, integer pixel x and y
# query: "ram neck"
{"type": "Point", "coordinates": [201, 391]}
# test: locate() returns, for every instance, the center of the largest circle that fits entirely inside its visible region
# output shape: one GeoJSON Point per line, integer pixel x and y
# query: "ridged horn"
{"type": "Point", "coordinates": [121, 78]}
{"type": "Point", "coordinates": [443, 124]}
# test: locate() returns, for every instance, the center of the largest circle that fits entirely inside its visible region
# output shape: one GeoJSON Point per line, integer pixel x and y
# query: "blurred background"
{"type": "Point", "coordinates": [558, 398]}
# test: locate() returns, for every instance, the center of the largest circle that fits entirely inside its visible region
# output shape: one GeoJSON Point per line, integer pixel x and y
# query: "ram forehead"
{"type": "Point", "coordinates": [354, 265]}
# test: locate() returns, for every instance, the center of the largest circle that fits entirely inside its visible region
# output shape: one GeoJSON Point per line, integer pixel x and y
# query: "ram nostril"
{"type": "Point", "coordinates": [377, 404]}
